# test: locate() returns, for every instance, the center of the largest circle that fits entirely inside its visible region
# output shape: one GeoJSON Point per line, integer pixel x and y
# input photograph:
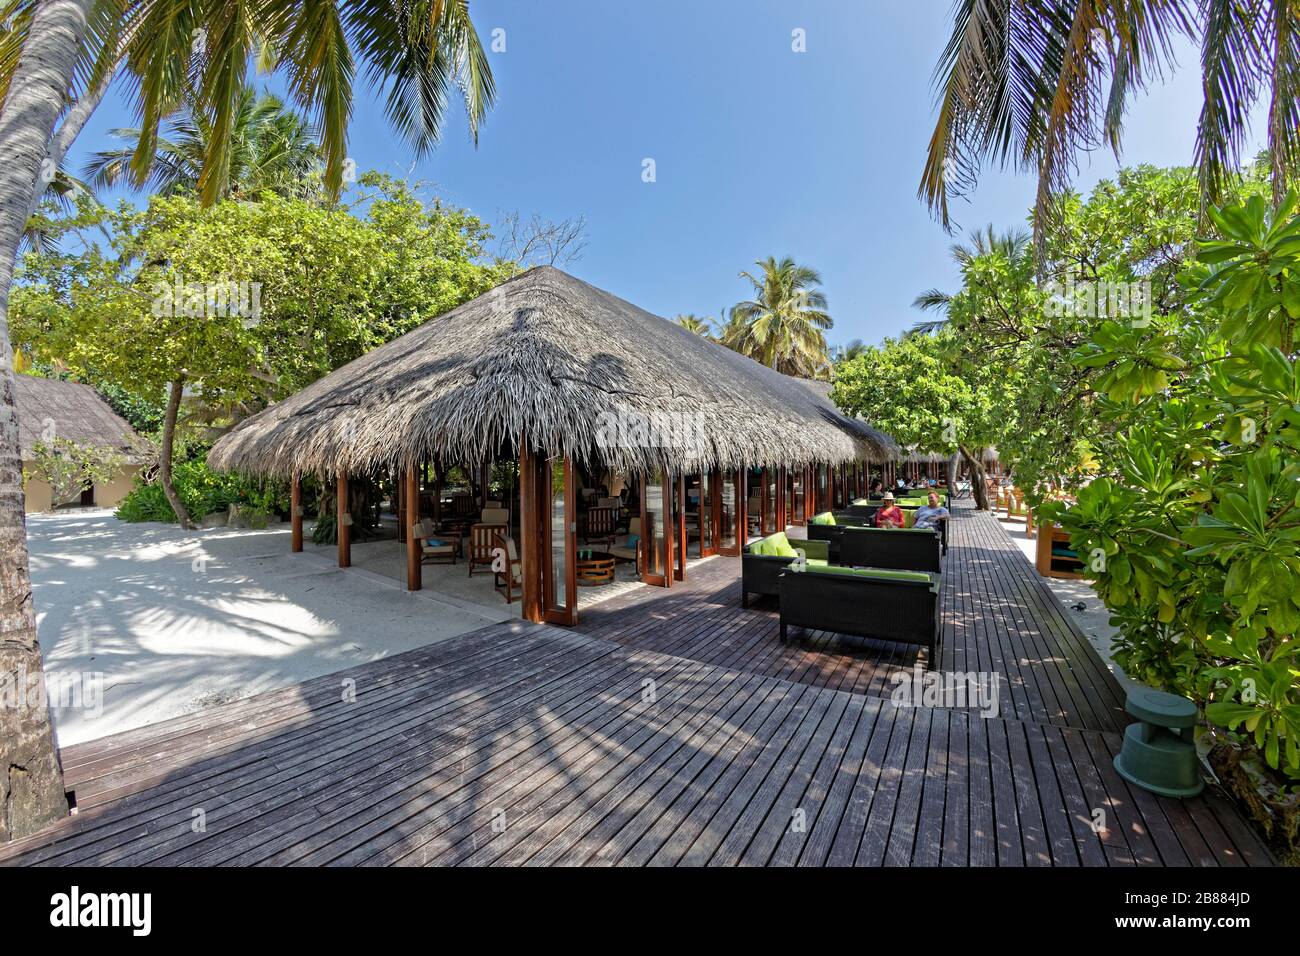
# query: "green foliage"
{"type": "Point", "coordinates": [144, 416]}
{"type": "Point", "coordinates": [1133, 236]}
{"type": "Point", "coordinates": [203, 492]}
{"type": "Point", "coordinates": [69, 467]}
{"type": "Point", "coordinates": [271, 148]}
{"type": "Point", "coordinates": [784, 325]}
{"type": "Point", "coordinates": [1192, 533]}
{"type": "Point", "coordinates": [927, 391]}
{"type": "Point", "coordinates": [318, 287]}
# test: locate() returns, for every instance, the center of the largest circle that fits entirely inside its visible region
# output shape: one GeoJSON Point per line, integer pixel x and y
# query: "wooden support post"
{"type": "Point", "coordinates": [295, 513]}
{"type": "Point", "coordinates": [530, 543]}
{"type": "Point", "coordinates": [782, 519]}
{"type": "Point", "coordinates": [411, 494]}
{"type": "Point", "coordinates": [344, 517]}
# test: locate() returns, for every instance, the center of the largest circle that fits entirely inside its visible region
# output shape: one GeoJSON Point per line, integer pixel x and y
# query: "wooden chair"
{"type": "Point", "coordinates": [495, 516]}
{"type": "Point", "coordinates": [512, 578]}
{"type": "Point", "coordinates": [445, 550]}
{"type": "Point", "coordinates": [598, 527]}
{"type": "Point", "coordinates": [481, 544]}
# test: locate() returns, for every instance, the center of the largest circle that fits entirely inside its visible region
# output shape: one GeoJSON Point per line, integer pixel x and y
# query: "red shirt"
{"type": "Point", "coordinates": [891, 517]}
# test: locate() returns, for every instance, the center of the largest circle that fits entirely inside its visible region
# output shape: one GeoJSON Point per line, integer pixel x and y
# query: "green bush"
{"type": "Point", "coordinates": [203, 492]}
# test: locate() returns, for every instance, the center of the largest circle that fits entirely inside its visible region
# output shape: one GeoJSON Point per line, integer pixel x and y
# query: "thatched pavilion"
{"type": "Point", "coordinates": [567, 379]}
{"type": "Point", "coordinates": [49, 409]}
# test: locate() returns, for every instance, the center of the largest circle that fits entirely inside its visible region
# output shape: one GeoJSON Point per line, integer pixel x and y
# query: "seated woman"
{"type": "Point", "coordinates": [890, 515]}
{"type": "Point", "coordinates": [877, 487]}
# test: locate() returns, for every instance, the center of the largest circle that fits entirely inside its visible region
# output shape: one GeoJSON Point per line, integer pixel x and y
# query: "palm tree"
{"type": "Point", "coordinates": [58, 59]}
{"type": "Point", "coordinates": [848, 351]}
{"type": "Point", "coordinates": [272, 147]}
{"type": "Point", "coordinates": [693, 323]}
{"type": "Point", "coordinates": [1029, 85]}
{"type": "Point", "coordinates": [784, 325]}
{"type": "Point", "coordinates": [731, 329]}
{"type": "Point", "coordinates": [1012, 245]}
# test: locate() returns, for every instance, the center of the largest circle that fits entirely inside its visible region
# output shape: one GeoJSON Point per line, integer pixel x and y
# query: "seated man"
{"type": "Point", "coordinates": [890, 515]}
{"type": "Point", "coordinates": [929, 515]}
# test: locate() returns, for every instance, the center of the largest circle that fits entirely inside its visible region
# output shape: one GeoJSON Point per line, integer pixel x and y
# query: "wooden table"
{"type": "Point", "coordinates": [595, 569]}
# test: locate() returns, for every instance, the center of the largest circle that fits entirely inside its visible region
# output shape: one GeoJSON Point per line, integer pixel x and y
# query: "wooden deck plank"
{"type": "Point", "coordinates": [549, 730]}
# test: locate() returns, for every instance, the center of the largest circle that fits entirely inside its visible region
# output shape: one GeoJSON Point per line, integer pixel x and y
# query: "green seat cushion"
{"type": "Point", "coordinates": [817, 562]}
{"type": "Point", "coordinates": [861, 501]}
{"type": "Point", "coordinates": [877, 574]}
{"type": "Point", "coordinates": [780, 545]}
{"type": "Point", "coordinates": [920, 577]}
{"type": "Point", "coordinates": [824, 518]}
{"type": "Point", "coordinates": [775, 545]}
{"type": "Point", "coordinates": [824, 568]}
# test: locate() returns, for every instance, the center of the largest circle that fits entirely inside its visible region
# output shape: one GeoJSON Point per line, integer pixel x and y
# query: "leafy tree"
{"type": "Point", "coordinates": [784, 325]}
{"type": "Point", "coordinates": [1191, 531]}
{"type": "Point", "coordinates": [929, 392]}
{"type": "Point", "coordinates": [70, 467]}
{"type": "Point", "coordinates": [1120, 249]}
{"type": "Point", "coordinates": [228, 308]}
{"type": "Point", "coordinates": [58, 60]}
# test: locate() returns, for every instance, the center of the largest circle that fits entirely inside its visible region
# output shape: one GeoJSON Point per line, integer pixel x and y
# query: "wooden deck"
{"type": "Point", "coordinates": [670, 728]}
{"type": "Point", "coordinates": [998, 617]}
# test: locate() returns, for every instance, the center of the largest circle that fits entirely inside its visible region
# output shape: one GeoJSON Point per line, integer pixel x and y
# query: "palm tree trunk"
{"type": "Point", "coordinates": [31, 780]}
{"type": "Point", "coordinates": [175, 390]}
{"type": "Point", "coordinates": [1279, 106]}
{"type": "Point", "coordinates": [975, 463]}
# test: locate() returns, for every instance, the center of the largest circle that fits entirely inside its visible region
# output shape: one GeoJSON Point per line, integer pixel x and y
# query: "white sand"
{"type": "Point", "coordinates": [1093, 619]}
{"type": "Point", "coordinates": [176, 621]}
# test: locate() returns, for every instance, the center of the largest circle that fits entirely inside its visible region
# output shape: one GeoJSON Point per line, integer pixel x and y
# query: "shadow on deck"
{"type": "Point", "coordinates": [670, 728]}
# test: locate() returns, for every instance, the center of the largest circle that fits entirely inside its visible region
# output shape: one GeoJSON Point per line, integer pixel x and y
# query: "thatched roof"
{"type": "Point", "coordinates": [887, 448]}
{"type": "Point", "coordinates": [989, 456]}
{"type": "Point", "coordinates": [579, 369]}
{"type": "Point", "coordinates": [48, 408]}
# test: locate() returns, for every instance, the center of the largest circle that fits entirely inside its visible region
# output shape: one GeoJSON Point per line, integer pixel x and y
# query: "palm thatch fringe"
{"type": "Point", "coordinates": [581, 372]}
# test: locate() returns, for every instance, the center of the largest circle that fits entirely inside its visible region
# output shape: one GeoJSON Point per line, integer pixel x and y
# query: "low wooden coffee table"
{"type": "Point", "coordinates": [596, 568]}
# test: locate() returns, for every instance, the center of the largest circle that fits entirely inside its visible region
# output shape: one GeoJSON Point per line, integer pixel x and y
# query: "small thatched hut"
{"type": "Point", "coordinates": [50, 409]}
{"type": "Point", "coordinates": [548, 368]}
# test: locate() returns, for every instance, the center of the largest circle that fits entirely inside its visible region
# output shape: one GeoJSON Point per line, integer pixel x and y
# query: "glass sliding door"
{"type": "Point", "coordinates": [730, 515]}
{"type": "Point", "coordinates": [559, 534]}
{"type": "Point", "coordinates": [657, 529]}
{"type": "Point", "coordinates": [798, 515]}
{"type": "Point", "coordinates": [782, 511]}
{"type": "Point", "coordinates": [708, 520]}
{"type": "Point", "coordinates": [678, 485]}
{"type": "Point", "coordinates": [769, 495]}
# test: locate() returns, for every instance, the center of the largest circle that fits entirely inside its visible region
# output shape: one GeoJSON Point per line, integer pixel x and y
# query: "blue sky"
{"type": "Point", "coordinates": [758, 150]}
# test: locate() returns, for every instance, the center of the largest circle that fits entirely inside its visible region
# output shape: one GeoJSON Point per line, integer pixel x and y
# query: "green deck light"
{"type": "Point", "coordinates": [1158, 753]}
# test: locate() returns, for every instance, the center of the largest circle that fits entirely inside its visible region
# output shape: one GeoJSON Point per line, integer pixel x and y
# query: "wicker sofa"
{"type": "Point", "coordinates": [860, 514]}
{"type": "Point", "coordinates": [901, 549]}
{"type": "Point", "coordinates": [865, 602]}
{"type": "Point", "coordinates": [759, 570]}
